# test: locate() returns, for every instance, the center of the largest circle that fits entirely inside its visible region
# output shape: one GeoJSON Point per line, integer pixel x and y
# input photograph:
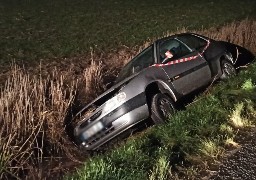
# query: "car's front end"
{"type": "Point", "coordinates": [109, 115]}
{"type": "Point", "coordinates": [122, 106]}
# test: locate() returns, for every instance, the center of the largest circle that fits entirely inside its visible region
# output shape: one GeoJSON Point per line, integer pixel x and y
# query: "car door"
{"type": "Point", "coordinates": [187, 70]}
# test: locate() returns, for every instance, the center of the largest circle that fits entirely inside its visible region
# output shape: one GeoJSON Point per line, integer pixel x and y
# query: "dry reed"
{"type": "Point", "coordinates": [32, 111]}
{"type": "Point", "coordinates": [241, 33]}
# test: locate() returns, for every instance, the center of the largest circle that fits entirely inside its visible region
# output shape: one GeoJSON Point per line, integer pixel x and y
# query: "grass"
{"type": "Point", "coordinates": [39, 30]}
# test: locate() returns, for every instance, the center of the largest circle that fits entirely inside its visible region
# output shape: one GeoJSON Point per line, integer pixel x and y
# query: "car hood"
{"type": "Point", "coordinates": [109, 93]}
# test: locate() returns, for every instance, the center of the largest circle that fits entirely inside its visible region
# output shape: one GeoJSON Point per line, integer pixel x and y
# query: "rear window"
{"type": "Point", "coordinates": [195, 43]}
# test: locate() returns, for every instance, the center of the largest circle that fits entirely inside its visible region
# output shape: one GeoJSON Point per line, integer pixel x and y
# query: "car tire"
{"type": "Point", "coordinates": [162, 106]}
{"type": "Point", "coordinates": [228, 69]}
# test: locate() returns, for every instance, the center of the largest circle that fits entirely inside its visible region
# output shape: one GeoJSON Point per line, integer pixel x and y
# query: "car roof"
{"type": "Point", "coordinates": [181, 34]}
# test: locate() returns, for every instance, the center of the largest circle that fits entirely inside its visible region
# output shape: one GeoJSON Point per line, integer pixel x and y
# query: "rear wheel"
{"type": "Point", "coordinates": [162, 106]}
{"type": "Point", "coordinates": [228, 69]}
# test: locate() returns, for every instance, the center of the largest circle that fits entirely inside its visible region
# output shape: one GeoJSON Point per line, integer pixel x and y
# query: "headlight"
{"type": "Point", "coordinates": [114, 102]}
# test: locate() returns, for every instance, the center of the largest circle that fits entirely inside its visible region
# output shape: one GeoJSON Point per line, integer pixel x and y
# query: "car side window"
{"type": "Point", "coordinates": [144, 59]}
{"type": "Point", "coordinates": [172, 49]}
{"type": "Point", "coordinates": [141, 61]}
{"type": "Point", "coordinates": [195, 43]}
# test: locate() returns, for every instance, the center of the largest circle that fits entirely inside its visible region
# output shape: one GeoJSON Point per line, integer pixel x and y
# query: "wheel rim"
{"type": "Point", "coordinates": [229, 69]}
{"type": "Point", "coordinates": [165, 107]}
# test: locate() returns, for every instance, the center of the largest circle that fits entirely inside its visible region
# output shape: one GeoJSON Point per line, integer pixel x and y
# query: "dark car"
{"type": "Point", "coordinates": [151, 84]}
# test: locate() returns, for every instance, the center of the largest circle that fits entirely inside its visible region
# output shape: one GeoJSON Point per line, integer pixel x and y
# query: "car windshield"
{"type": "Point", "coordinates": [141, 61]}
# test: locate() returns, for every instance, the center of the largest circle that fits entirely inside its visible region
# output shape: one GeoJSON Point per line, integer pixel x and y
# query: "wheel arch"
{"type": "Point", "coordinates": [158, 87]}
{"type": "Point", "coordinates": [225, 56]}
{"type": "Point", "coordinates": [215, 64]}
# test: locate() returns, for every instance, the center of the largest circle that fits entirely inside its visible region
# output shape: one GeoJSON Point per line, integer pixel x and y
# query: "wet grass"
{"type": "Point", "coordinates": [35, 30]}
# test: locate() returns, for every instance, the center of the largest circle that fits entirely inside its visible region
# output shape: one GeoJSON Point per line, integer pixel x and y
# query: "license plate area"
{"type": "Point", "coordinates": [93, 130]}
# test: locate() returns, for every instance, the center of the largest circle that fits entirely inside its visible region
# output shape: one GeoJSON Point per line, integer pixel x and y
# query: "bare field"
{"type": "Point", "coordinates": [45, 30]}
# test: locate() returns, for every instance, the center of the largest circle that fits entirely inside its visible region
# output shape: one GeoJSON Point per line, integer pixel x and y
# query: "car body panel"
{"type": "Point", "coordinates": [186, 77]}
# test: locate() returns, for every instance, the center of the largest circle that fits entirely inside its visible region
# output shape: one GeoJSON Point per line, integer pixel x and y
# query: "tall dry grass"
{"type": "Point", "coordinates": [34, 109]}
{"type": "Point", "coordinates": [93, 77]}
{"type": "Point", "coordinates": [33, 116]}
{"type": "Point", "coordinates": [241, 33]}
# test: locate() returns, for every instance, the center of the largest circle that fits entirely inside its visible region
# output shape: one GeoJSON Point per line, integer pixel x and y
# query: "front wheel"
{"type": "Point", "coordinates": [162, 106]}
{"type": "Point", "coordinates": [228, 70]}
